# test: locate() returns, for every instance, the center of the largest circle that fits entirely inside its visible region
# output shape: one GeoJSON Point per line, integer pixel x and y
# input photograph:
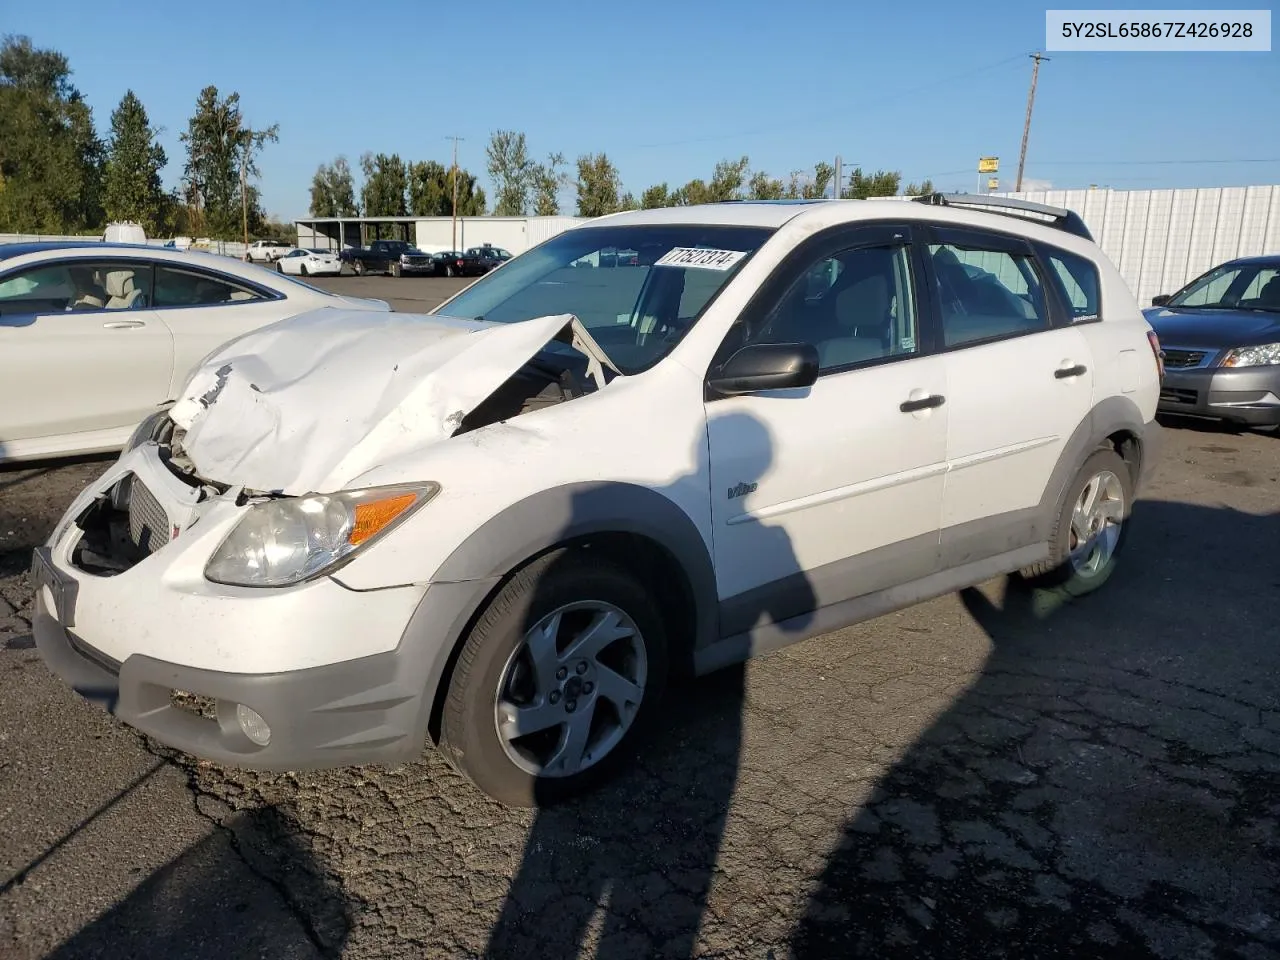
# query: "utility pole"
{"type": "Point", "coordinates": [835, 193]}
{"type": "Point", "coordinates": [455, 140]}
{"type": "Point", "coordinates": [1026, 126]}
{"type": "Point", "coordinates": [244, 195]}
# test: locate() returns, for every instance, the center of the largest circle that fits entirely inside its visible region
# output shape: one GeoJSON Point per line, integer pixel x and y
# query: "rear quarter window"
{"type": "Point", "coordinates": [1079, 284]}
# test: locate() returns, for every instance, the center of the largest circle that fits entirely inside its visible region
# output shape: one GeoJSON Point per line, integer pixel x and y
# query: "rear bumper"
{"type": "Point", "coordinates": [1248, 395]}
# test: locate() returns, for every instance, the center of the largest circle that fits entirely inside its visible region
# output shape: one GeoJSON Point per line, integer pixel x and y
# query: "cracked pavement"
{"type": "Point", "coordinates": [992, 774]}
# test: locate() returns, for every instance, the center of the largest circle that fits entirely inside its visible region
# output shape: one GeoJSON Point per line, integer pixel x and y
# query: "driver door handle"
{"type": "Point", "coordinates": [924, 403]}
{"type": "Point", "coordinates": [123, 324]}
{"type": "Point", "coordinates": [1063, 373]}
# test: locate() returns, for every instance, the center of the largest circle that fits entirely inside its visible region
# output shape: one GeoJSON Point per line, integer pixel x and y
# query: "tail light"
{"type": "Point", "coordinates": [1159, 354]}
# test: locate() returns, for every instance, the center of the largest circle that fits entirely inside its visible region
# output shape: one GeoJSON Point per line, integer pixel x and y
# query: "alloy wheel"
{"type": "Point", "coordinates": [571, 690]}
{"type": "Point", "coordinates": [1095, 523]}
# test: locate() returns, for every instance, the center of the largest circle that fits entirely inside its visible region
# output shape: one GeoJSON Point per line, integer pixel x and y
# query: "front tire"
{"type": "Point", "coordinates": [557, 681]}
{"type": "Point", "coordinates": [303, 268]}
{"type": "Point", "coordinates": [1091, 529]}
{"type": "Point", "coordinates": [395, 270]}
{"type": "Point", "coordinates": [279, 267]}
{"type": "Point", "coordinates": [359, 267]}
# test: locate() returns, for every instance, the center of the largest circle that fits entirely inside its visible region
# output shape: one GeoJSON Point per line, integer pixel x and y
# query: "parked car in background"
{"type": "Point", "coordinates": [1221, 340]}
{"type": "Point", "coordinates": [505, 525]}
{"type": "Point", "coordinates": [266, 251]}
{"type": "Point", "coordinates": [310, 263]}
{"type": "Point", "coordinates": [94, 337]}
{"type": "Point", "coordinates": [449, 263]}
{"type": "Point", "coordinates": [394, 257]}
{"type": "Point", "coordinates": [484, 258]}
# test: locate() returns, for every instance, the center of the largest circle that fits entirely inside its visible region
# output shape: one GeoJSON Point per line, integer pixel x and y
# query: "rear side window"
{"type": "Point", "coordinates": [187, 288]}
{"type": "Point", "coordinates": [986, 294]}
{"type": "Point", "coordinates": [1079, 284]}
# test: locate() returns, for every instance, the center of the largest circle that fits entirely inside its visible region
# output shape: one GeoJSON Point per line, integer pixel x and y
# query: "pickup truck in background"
{"type": "Point", "coordinates": [396, 257]}
{"type": "Point", "coordinates": [267, 251]}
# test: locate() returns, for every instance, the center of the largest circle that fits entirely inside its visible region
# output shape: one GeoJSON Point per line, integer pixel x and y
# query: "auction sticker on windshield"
{"type": "Point", "coordinates": [700, 257]}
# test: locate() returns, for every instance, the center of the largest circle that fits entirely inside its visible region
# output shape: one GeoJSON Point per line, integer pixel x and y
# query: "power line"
{"type": "Point", "coordinates": [826, 114]}
{"type": "Point", "coordinates": [1143, 163]}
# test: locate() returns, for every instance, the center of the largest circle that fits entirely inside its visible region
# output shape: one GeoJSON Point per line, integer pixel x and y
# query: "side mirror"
{"type": "Point", "coordinates": [1161, 299]}
{"type": "Point", "coordinates": [767, 366]}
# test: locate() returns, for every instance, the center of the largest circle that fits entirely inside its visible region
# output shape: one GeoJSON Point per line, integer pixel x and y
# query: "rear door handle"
{"type": "Point", "coordinates": [924, 403]}
{"type": "Point", "coordinates": [123, 324]}
{"type": "Point", "coordinates": [1079, 370]}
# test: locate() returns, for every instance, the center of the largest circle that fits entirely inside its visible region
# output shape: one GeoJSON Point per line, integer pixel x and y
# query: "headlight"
{"type": "Point", "coordinates": [147, 430]}
{"type": "Point", "coordinates": [1260, 356]}
{"type": "Point", "coordinates": [287, 541]}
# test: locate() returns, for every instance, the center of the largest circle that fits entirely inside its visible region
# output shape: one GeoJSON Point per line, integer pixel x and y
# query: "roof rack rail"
{"type": "Point", "coordinates": [1059, 217]}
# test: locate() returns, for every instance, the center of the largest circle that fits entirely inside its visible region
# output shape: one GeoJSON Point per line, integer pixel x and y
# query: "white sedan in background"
{"type": "Point", "coordinates": [310, 263]}
{"type": "Point", "coordinates": [95, 337]}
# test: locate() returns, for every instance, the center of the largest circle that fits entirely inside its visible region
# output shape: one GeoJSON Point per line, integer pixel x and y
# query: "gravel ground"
{"type": "Point", "coordinates": [982, 776]}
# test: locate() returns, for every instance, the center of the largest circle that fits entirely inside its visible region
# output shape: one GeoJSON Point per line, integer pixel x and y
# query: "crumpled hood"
{"type": "Point", "coordinates": [310, 403]}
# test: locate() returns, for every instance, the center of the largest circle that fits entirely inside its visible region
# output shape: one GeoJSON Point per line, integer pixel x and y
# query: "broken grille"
{"type": "Point", "coordinates": [148, 522]}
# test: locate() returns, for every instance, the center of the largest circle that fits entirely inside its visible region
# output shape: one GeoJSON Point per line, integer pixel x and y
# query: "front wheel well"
{"type": "Point", "coordinates": [647, 559]}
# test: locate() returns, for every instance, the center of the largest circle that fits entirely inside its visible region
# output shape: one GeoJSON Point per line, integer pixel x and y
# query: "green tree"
{"type": "Point", "coordinates": [546, 180]}
{"type": "Point", "coordinates": [598, 185]}
{"type": "Point", "coordinates": [50, 155]}
{"type": "Point", "coordinates": [806, 186]}
{"type": "Point", "coordinates": [342, 186]}
{"type": "Point", "coordinates": [222, 153]}
{"type": "Point", "coordinates": [764, 187]}
{"type": "Point", "coordinates": [333, 190]}
{"type": "Point", "coordinates": [918, 190]}
{"type": "Point", "coordinates": [471, 198]}
{"type": "Point", "coordinates": [882, 183]}
{"type": "Point", "coordinates": [656, 196]}
{"type": "Point", "coordinates": [133, 190]}
{"type": "Point", "coordinates": [385, 185]}
{"type": "Point", "coordinates": [510, 169]}
{"type": "Point", "coordinates": [430, 190]}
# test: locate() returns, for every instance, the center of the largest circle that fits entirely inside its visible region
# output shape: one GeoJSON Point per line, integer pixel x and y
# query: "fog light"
{"type": "Point", "coordinates": [254, 727]}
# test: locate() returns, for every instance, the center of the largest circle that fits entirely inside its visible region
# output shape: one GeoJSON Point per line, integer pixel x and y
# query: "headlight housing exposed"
{"type": "Point", "coordinates": [1263, 355]}
{"type": "Point", "coordinates": [282, 542]}
{"type": "Point", "coordinates": [147, 430]}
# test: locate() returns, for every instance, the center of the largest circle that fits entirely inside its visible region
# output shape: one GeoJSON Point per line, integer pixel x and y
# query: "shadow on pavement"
{"type": "Point", "coordinates": [1107, 787]}
{"type": "Point", "coordinates": [225, 897]}
{"type": "Point", "coordinates": [625, 871]}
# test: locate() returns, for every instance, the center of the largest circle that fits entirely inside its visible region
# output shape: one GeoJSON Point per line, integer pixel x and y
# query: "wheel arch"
{"type": "Point", "coordinates": [635, 526]}
{"type": "Point", "coordinates": [1115, 423]}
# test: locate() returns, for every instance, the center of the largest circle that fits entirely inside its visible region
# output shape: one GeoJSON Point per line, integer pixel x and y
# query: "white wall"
{"type": "Point", "coordinates": [516, 234]}
{"type": "Point", "coordinates": [1161, 239]}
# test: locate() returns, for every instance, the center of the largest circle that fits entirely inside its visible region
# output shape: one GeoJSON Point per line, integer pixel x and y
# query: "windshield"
{"type": "Point", "coordinates": [1250, 286]}
{"type": "Point", "coordinates": [637, 289]}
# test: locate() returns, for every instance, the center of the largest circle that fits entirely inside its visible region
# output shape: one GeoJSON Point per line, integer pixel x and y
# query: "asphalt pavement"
{"type": "Point", "coordinates": [985, 775]}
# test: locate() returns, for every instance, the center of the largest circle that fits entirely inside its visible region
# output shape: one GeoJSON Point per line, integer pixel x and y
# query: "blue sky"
{"type": "Point", "coordinates": [667, 89]}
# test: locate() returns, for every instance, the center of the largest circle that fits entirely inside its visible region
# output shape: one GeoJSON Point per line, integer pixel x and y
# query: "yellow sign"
{"type": "Point", "coordinates": [988, 164]}
{"type": "Point", "coordinates": [993, 183]}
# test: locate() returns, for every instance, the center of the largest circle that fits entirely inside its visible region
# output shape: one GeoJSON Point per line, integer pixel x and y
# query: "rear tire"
{"type": "Point", "coordinates": [448, 271]}
{"type": "Point", "coordinates": [1091, 529]}
{"type": "Point", "coordinates": [583, 711]}
{"type": "Point", "coordinates": [303, 268]}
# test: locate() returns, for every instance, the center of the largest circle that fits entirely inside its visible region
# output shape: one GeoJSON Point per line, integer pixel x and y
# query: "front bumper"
{"type": "Point", "coordinates": [341, 676]}
{"type": "Point", "coordinates": [372, 709]}
{"type": "Point", "coordinates": [423, 268]}
{"type": "Point", "coordinates": [1245, 395]}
